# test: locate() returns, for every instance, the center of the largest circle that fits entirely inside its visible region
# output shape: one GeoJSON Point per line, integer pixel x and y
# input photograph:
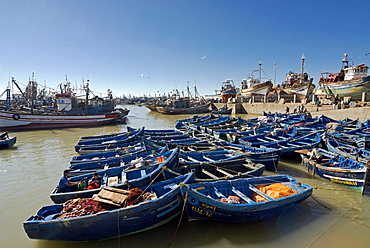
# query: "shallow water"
{"type": "Point", "coordinates": [336, 216]}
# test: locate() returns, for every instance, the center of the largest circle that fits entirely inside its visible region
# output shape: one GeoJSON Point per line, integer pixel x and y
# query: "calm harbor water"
{"type": "Point", "coordinates": [335, 216]}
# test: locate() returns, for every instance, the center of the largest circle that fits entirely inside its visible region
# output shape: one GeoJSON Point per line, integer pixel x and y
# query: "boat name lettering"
{"type": "Point", "coordinates": [201, 211]}
{"type": "Point", "coordinates": [209, 206]}
{"type": "Point", "coordinates": [343, 182]}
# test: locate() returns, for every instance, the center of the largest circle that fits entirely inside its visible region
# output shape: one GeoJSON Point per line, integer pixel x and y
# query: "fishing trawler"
{"type": "Point", "coordinates": [255, 87]}
{"type": "Point", "coordinates": [299, 84]}
{"type": "Point", "coordinates": [185, 105]}
{"type": "Point", "coordinates": [351, 81]}
{"type": "Point", "coordinates": [32, 111]}
{"type": "Point", "coordinates": [228, 90]}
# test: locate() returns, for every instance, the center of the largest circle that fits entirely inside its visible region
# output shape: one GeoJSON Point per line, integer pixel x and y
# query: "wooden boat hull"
{"type": "Point", "coordinates": [209, 172]}
{"type": "Point", "coordinates": [222, 112]}
{"type": "Point", "coordinates": [192, 110]}
{"type": "Point", "coordinates": [134, 178]}
{"type": "Point", "coordinates": [8, 142]}
{"type": "Point", "coordinates": [352, 176]}
{"type": "Point", "coordinates": [353, 88]}
{"type": "Point", "coordinates": [113, 223]}
{"type": "Point", "coordinates": [288, 147]}
{"type": "Point", "coordinates": [268, 156]}
{"type": "Point", "coordinates": [23, 122]}
{"type": "Point", "coordinates": [260, 89]}
{"type": "Point", "coordinates": [202, 200]}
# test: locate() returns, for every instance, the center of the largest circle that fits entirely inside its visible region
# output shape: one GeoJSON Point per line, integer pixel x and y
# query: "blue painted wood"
{"type": "Point", "coordinates": [268, 156]}
{"type": "Point", "coordinates": [7, 142]}
{"type": "Point", "coordinates": [289, 146]}
{"type": "Point", "coordinates": [203, 199]}
{"type": "Point", "coordinates": [338, 169]}
{"type": "Point", "coordinates": [108, 142]}
{"type": "Point", "coordinates": [113, 223]}
{"type": "Point", "coordinates": [133, 176]}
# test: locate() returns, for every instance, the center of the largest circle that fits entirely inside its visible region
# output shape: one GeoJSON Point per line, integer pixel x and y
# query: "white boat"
{"type": "Point", "coordinates": [299, 84]}
{"type": "Point", "coordinates": [255, 87]}
{"type": "Point", "coordinates": [351, 81]}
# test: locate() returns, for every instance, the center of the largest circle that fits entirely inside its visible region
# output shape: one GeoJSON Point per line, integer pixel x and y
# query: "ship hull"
{"type": "Point", "coordinates": [23, 122]}
{"type": "Point", "coordinates": [192, 110]}
{"type": "Point", "coordinates": [257, 90]}
{"type": "Point", "coordinates": [349, 88]}
{"type": "Point", "coordinates": [228, 94]}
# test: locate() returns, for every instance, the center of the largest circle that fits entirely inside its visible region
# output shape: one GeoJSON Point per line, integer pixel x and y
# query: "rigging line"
{"type": "Point", "coordinates": [118, 229]}
{"type": "Point", "coordinates": [326, 228]}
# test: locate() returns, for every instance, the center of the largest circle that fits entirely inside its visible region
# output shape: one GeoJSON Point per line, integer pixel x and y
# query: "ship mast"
{"type": "Point", "coordinates": [260, 70]}
{"type": "Point", "coordinates": [345, 61]}
{"type": "Point", "coordinates": [302, 67]}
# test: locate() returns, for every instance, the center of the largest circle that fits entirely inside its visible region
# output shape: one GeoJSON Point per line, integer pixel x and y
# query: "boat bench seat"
{"type": "Point", "coordinates": [241, 195]}
{"type": "Point", "coordinates": [209, 174]}
{"type": "Point", "coordinates": [272, 139]}
{"type": "Point", "coordinates": [302, 143]}
{"type": "Point", "coordinates": [218, 193]}
{"type": "Point", "coordinates": [193, 159]}
{"type": "Point", "coordinates": [224, 172]}
{"type": "Point", "coordinates": [209, 159]}
{"type": "Point", "coordinates": [251, 187]}
{"type": "Point", "coordinates": [294, 145]}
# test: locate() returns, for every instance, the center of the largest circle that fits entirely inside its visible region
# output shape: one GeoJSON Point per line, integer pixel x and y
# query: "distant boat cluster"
{"type": "Point", "coordinates": [37, 109]}
{"type": "Point", "coordinates": [350, 84]}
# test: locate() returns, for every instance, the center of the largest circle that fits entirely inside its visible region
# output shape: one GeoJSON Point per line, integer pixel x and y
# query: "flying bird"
{"type": "Point", "coordinates": [204, 57]}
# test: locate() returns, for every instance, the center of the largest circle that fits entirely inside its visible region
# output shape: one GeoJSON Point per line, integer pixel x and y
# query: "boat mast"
{"type": "Point", "coordinates": [260, 70]}
{"type": "Point", "coordinates": [345, 61]}
{"type": "Point", "coordinates": [302, 67]}
{"type": "Point", "coordinates": [87, 93]}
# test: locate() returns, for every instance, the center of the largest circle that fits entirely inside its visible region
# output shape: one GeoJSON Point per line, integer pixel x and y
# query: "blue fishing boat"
{"type": "Point", "coordinates": [214, 171]}
{"type": "Point", "coordinates": [289, 146]}
{"type": "Point", "coordinates": [337, 169]}
{"type": "Point", "coordinates": [6, 141]}
{"type": "Point", "coordinates": [233, 136]}
{"type": "Point", "coordinates": [129, 147]}
{"type": "Point", "coordinates": [268, 156]}
{"type": "Point", "coordinates": [243, 200]}
{"type": "Point", "coordinates": [217, 158]}
{"type": "Point", "coordinates": [123, 161]}
{"type": "Point", "coordinates": [104, 156]}
{"type": "Point", "coordinates": [104, 142]}
{"type": "Point", "coordinates": [277, 135]}
{"type": "Point", "coordinates": [222, 111]}
{"type": "Point", "coordinates": [108, 224]}
{"type": "Point", "coordinates": [118, 177]}
{"type": "Point", "coordinates": [349, 151]}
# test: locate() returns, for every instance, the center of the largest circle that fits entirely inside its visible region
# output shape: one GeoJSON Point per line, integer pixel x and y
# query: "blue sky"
{"type": "Point", "coordinates": [141, 47]}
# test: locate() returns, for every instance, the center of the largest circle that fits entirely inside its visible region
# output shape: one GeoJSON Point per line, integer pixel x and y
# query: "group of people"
{"type": "Point", "coordinates": [300, 109]}
{"type": "Point", "coordinates": [66, 185]}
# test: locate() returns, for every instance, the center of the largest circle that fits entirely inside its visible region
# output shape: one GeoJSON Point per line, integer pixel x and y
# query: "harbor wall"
{"type": "Point", "coordinates": [361, 112]}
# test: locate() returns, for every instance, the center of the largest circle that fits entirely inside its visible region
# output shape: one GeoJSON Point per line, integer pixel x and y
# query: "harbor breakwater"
{"type": "Point", "coordinates": [361, 113]}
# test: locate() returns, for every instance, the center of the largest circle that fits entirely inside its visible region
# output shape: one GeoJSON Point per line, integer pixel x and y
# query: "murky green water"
{"type": "Point", "coordinates": [335, 216]}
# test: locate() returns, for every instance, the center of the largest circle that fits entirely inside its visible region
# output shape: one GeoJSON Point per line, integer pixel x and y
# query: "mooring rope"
{"type": "Point", "coordinates": [178, 224]}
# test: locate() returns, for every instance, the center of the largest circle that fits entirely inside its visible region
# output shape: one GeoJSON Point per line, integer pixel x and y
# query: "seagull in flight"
{"type": "Point", "coordinates": [204, 57]}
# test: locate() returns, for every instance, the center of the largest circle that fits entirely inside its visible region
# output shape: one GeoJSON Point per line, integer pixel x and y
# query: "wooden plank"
{"type": "Point", "coordinates": [193, 159]}
{"type": "Point", "coordinates": [241, 195]}
{"type": "Point", "coordinates": [224, 172]}
{"type": "Point", "coordinates": [209, 174]}
{"type": "Point", "coordinates": [209, 159]}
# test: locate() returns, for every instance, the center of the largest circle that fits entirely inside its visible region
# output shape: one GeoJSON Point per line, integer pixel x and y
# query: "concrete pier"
{"type": "Point", "coordinates": [361, 112]}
